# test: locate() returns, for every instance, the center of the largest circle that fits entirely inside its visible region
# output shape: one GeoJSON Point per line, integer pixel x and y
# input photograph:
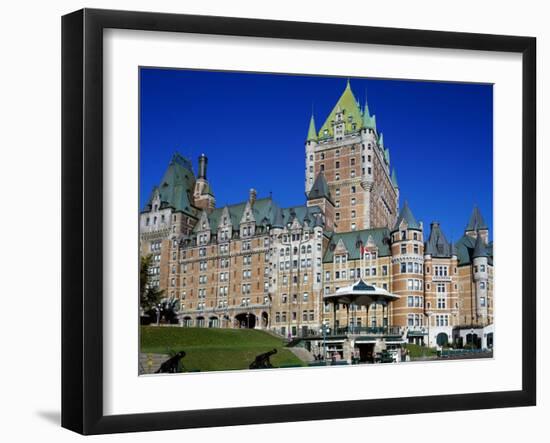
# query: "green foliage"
{"type": "Point", "coordinates": [417, 351]}
{"type": "Point", "coordinates": [216, 349]}
{"type": "Point", "coordinates": [149, 297]}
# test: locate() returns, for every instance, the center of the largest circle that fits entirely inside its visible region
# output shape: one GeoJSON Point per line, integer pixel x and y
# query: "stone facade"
{"type": "Point", "coordinates": [258, 265]}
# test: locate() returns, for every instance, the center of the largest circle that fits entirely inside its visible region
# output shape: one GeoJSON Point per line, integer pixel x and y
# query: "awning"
{"type": "Point", "coordinates": [361, 294]}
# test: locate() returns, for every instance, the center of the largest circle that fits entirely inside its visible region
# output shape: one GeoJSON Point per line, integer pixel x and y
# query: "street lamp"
{"type": "Point", "coordinates": [325, 329]}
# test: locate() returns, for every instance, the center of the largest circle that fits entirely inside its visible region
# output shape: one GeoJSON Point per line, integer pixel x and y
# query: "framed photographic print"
{"type": "Point", "coordinates": [270, 221]}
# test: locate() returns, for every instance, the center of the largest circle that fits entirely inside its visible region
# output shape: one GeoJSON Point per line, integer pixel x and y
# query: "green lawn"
{"type": "Point", "coordinates": [215, 349]}
{"type": "Point", "coordinates": [416, 351]}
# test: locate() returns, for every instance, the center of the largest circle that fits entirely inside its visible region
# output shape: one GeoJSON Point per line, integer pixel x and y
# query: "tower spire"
{"type": "Point", "coordinates": [312, 132]}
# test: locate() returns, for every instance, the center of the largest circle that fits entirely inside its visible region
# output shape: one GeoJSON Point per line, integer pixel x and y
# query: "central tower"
{"type": "Point", "coordinates": [350, 153]}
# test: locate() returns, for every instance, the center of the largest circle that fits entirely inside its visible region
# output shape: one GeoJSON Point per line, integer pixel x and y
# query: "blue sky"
{"type": "Point", "coordinates": [253, 127]}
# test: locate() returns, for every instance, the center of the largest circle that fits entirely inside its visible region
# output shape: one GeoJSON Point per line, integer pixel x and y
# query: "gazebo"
{"type": "Point", "coordinates": [360, 294]}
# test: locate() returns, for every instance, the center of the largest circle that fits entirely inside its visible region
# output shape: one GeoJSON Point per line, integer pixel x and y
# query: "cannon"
{"type": "Point", "coordinates": [171, 366]}
{"type": "Point", "coordinates": [262, 361]}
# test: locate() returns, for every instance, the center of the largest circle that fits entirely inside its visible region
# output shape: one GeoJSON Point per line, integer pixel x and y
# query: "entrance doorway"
{"type": "Point", "coordinates": [366, 352]}
{"type": "Point", "coordinates": [246, 320]}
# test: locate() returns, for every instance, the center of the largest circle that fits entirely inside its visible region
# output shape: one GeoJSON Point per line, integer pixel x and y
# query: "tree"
{"type": "Point", "coordinates": [149, 296]}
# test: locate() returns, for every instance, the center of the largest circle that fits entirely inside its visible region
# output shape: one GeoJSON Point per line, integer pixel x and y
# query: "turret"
{"type": "Point", "coordinates": [319, 195]}
{"type": "Point", "coordinates": [481, 277]}
{"type": "Point", "coordinates": [477, 226]}
{"type": "Point", "coordinates": [407, 251]}
{"type": "Point", "coordinates": [311, 144]}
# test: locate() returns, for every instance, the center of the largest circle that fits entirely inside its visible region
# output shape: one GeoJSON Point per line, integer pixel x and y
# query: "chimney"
{"type": "Point", "coordinates": [202, 166]}
{"type": "Point", "coordinates": [252, 196]}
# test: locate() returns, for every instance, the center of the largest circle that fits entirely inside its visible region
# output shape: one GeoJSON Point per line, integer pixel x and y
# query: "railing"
{"type": "Point", "coordinates": [367, 330]}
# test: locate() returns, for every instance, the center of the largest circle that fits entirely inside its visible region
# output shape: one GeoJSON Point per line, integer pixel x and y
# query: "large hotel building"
{"type": "Point", "coordinates": [256, 264]}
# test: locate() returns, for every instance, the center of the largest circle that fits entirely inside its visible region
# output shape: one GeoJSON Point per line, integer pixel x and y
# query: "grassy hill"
{"type": "Point", "coordinates": [215, 349]}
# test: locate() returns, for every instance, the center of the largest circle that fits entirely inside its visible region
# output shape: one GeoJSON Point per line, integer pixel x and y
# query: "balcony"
{"type": "Point", "coordinates": [367, 330]}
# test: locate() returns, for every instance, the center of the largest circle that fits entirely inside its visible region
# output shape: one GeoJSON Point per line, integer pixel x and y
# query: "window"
{"type": "Point", "coordinates": [352, 214]}
{"type": "Point", "coordinates": [403, 249]}
{"type": "Point", "coordinates": [337, 216]}
{"type": "Point", "coordinates": [337, 192]}
{"type": "Point", "coordinates": [403, 268]}
{"type": "Point", "coordinates": [337, 165]}
{"type": "Point", "coordinates": [482, 285]}
{"type": "Point", "coordinates": [353, 226]}
{"type": "Point", "coordinates": [482, 302]}
{"type": "Point", "coordinates": [353, 189]}
{"type": "Point", "coordinates": [352, 161]}
{"type": "Point", "coordinates": [337, 176]}
{"type": "Point", "coordinates": [353, 201]}
{"type": "Point", "coordinates": [410, 301]}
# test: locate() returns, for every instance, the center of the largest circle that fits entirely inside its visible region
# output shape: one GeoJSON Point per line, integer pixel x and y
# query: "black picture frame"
{"type": "Point", "coordinates": [82, 215]}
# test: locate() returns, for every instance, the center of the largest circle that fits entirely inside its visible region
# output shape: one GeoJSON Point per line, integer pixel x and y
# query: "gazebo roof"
{"type": "Point", "coordinates": [361, 294]}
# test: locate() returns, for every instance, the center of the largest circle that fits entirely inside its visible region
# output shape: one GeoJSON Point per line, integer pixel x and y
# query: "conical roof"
{"type": "Point", "coordinates": [312, 133]}
{"type": "Point", "coordinates": [368, 120]}
{"type": "Point", "coordinates": [394, 179]}
{"type": "Point", "coordinates": [437, 244]}
{"type": "Point", "coordinates": [480, 249]}
{"type": "Point", "coordinates": [476, 221]}
{"type": "Point", "coordinates": [320, 188]}
{"type": "Point", "coordinates": [407, 215]}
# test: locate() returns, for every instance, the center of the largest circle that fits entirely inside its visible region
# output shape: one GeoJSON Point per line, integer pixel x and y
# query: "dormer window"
{"type": "Point", "coordinates": [203, 225]}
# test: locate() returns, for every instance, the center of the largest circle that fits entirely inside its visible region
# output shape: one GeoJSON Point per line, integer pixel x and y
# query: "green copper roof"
{"type": "Point", "coordinates": [381, 140]}
{"type": "Point", "coordinates": [387, 155]}
{"type": "Point", "coordinates": [264, 211]}
{"type": "Point", "coordinates": [394, 179]}
{"type": "Point", "coordinates": [437, 244]}
{"type": "Point", "coordinates": [176, 186]}
{"type": "Point", "coordinates": [312, 133]}
{"type": "Point", "coordinates": [407, 215]}
{"type": "Point", "coordinates": [368, 120]}
{"type": "Point", "coordinates": [465, 248]}
{"type": "Point", "coordinates": [476, 221]}
{"type": "Point", "coordinates": [479, 248]}
{"type": "Point", "coordinates": [348, 104]}
{"type": "Point", "coordinates": [320, 188]}
{"type": "Point", "coordinates": [352, 241]}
